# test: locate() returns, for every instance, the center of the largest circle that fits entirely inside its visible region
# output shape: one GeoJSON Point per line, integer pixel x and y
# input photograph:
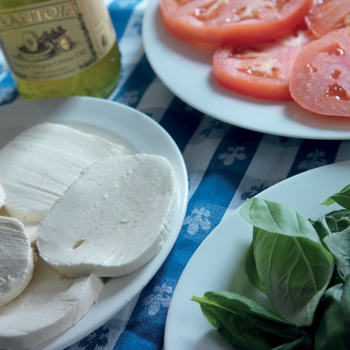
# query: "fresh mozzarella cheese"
{"type": "Point", "coordinates": [30, 228]}
{"type": "Point", "coordinates": [49, 305]}
{"type": "Point", "coordinates": [16, 259]}
{"type": "Point", "coordinates": [113, 219]}
{"type": "Point", "coordinates": [40, 163]}
{"type": "Point", "coordinates": [69, 140]}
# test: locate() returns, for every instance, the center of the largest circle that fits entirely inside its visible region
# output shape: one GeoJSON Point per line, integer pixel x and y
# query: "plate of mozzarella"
{"type": "Point", "coordinates": [93, 195]}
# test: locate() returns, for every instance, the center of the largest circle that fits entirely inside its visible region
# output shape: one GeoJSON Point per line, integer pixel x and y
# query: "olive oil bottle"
{"type": "Point", "coordinates": [57, 48]}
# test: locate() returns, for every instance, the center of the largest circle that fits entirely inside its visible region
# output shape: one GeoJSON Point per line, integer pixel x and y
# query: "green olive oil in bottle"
{"type": "Point", "coordinates": [58, 48]}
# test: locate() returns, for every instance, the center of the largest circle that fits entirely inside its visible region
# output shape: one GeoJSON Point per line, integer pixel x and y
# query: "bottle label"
{"type": "Point", "coordinates": [55, 39]}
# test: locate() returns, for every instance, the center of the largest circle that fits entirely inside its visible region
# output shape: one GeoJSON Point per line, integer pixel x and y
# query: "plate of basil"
{"type": "Point", "coordinates": [272, 275]}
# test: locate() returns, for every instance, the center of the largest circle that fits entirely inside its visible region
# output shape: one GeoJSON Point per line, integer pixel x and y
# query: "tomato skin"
{"type": "Point", "coordinates": [259, 70]}
{"type": "Point", "coordinates": [179, 21]}
{"type": "Point", "coordinates": [326, 16]}
{"type": "Point", "coordinates": [320, 75]}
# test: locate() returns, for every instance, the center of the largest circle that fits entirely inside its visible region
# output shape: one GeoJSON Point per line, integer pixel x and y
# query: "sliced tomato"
{"type": "Point", "coordinates": [260, 70]}
{"type": "Point", "coordinates": [320, 75]}
{"type": "Point", "coordinates": [328, 15]}
{"type": "Point", "coordinates": [232, 21]}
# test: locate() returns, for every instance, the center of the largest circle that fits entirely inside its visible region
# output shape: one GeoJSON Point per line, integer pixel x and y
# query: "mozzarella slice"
{"type": "Point", "coordinates": [113, 219]}
{"type": "Point", "coordinates": [49, 305]}
{"type": "Point", "coordinates": [69, 140]}
{"type": "Point", "coordinates": [16, 259]}
{"type": "Point", "coordinates": [40, 163]}
{"type": "Point", "coordinates": [29, 228]}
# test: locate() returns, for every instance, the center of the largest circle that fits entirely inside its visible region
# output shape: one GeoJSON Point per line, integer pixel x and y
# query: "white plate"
{"type": "Point", "coordinates": [143, 134]}
{"type": "Point", "coordinates": [186, 72]}
{"type": "Point", "coordinates": [218, 264]}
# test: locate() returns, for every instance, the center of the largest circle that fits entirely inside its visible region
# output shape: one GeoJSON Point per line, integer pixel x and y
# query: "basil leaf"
{"type": "Point", "coordinates": [295, 272]}
{"type": "Point", "coordinates": [338, 244]}
{"type": "Point", "coordinates": [291, 262]}
{"type": "Point", "coordinates": [332, 332]}
{"type": "Point", "coordinates": [250, 267]}
{"type": "Point", "coordinates": [334, 230]}
{"type": "Point", "coordinates": [334, 293]}
{"type": "Point", "coordinates": [245, 322]}
{"type": "Point", "coordinates": [304, 343]}
{"type": "Point", "coordinates": [342, 198]}
{"type": "Point", "coordinates": [325, 226]}
{"type": "Point", "coordinates": [278, 218]}
{"type": "Point", "coordinates": [335, 221]}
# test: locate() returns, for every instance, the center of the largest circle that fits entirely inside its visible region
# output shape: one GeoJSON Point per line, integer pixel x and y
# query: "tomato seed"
{"type": "Point", "coordinates": [338, 92]}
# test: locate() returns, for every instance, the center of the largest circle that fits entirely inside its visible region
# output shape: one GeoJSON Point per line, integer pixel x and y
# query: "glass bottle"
{"type": "Point", "coordinates": [57, 48]}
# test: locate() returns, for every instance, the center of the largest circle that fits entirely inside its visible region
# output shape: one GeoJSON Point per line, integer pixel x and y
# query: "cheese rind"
{"type": "Point", "coordinates": [16, 259]}
{"type": "Point", "coordinates": [40, 163]}
{"type": "Point", "coordinates": [113, 219]}
{"type": "Point", "coordinates": [50, 305]}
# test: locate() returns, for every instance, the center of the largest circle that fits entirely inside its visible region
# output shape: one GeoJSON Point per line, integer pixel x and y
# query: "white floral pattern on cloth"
{"type": "Point", "coordinates": [232, 154]}
{"type": "Point", "coordinates": [197, 219]}
{"type": "Point", "coordinates": [314, 160]}
{"type": "Point", "coordinates": [254, 190]}
{"type": "Point", "coordinates": [213, 125]}
{"type": "Point", "coordinates": [160, 297]}
{"type": "Point", "coordinates": [105, 337]}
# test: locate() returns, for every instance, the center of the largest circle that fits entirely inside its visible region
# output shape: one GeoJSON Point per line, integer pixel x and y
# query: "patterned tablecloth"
{"type": "Point", "coordinates": [226, 164]}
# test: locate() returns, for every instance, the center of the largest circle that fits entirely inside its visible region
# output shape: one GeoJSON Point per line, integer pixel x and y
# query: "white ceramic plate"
{"type": "Point", "coordinates": [139, 133]}
{"type": "Point", "coordinates": [218, 264]}
{"type": "Point", "coordinates": [186, 72]}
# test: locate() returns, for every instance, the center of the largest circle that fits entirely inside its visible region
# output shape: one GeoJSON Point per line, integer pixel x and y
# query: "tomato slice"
{"type": "Point", "coordinates": [320, 75]}
{"type": "Point", "coordinates": [232, 21]}
{"type": "Point", "coordinates": [328, 15]}
{"type": "Point", "coordinates": [260, 70]}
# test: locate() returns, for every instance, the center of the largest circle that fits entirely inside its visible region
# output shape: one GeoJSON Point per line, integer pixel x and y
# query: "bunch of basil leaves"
{"type": "Point", "coordinates": [303, 268]}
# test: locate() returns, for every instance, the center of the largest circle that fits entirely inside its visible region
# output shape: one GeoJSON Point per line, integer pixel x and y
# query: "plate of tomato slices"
{"type": "Point", "coordinates": [185, 66]}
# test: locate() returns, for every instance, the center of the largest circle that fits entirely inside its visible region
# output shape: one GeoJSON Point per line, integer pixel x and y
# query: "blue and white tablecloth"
{"type": "Point", "coordinates": [226, 164]}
